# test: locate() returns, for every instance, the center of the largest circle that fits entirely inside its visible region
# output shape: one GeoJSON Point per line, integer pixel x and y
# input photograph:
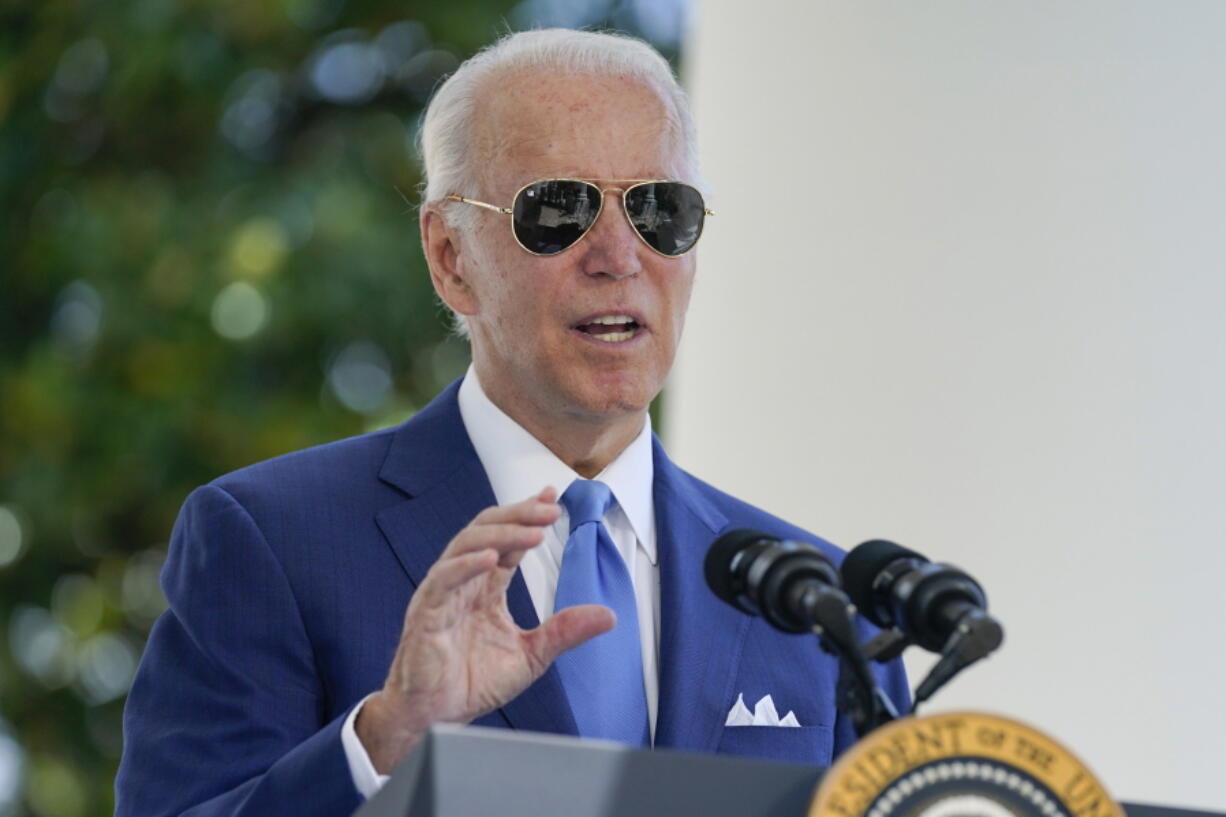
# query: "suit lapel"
{"type": "Point", "coordinates": [701, 638]}
{"type": "Point", "coordinates": [432, 460]}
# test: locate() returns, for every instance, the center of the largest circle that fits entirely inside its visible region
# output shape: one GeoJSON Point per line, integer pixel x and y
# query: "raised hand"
{"type": "Point", "coordinates": [460, 654]}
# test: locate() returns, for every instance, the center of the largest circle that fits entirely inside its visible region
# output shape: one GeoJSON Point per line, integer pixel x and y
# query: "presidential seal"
{"type": "Point", "coordinates": [960, 764]}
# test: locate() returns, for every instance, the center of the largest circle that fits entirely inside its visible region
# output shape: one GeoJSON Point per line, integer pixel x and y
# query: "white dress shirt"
{"type": "Point", "coordinates": [519, 466]}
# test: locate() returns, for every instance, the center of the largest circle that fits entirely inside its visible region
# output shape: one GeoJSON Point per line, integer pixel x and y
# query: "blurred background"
{"type": "Point", "coordinates": [208, 256]}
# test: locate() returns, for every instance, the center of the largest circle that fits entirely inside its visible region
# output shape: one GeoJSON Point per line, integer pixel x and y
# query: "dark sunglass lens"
{"type": "Point", "coordinates": [668, 215]}
{"type": "Point", "coordinates": [549, 216]}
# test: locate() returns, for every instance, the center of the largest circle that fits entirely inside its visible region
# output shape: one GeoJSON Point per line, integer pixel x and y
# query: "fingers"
{"type": "Point", "coordinates": [504, 538]}
{"type": "Point", "coordinates": [539, 510]}
{"type": "Point", "coordinates": [566, 629]}
{"type": "Point", "coordinates": [509, 528]}
{"type": "Point", "coordinates": [448, 575]}
{"type": "Point", "coordinates": [497, 537]}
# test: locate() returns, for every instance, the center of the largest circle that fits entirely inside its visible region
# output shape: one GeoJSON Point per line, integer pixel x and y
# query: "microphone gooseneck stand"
{"type": "Point", "coordinates": [976, 635]}
{"type": "Point", "coordinates": [797, 589]}
{"type": "Point", "coordinates": [917, 602]}
{"type": "Point", "coordinates": [859, 696]}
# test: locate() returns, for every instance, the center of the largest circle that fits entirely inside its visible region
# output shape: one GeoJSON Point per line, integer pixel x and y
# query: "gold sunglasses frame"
{"type": "Point", "coordinates": [621, 193]}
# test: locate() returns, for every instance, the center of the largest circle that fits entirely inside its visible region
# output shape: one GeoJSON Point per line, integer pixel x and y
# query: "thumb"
{"type": "Point", "coordinates": [566, 629]}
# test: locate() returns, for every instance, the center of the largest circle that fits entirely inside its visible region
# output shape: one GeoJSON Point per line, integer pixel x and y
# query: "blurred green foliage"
{"type": "Point", "coordinates": [204, 261]}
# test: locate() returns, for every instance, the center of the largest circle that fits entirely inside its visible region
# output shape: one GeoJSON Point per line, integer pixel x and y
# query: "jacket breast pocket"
{"type": "Point", "coordinates": [790, 744]}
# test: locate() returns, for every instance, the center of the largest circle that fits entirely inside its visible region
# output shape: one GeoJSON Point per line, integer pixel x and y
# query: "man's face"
{"type": "Point", "coordinates": [534, 342]}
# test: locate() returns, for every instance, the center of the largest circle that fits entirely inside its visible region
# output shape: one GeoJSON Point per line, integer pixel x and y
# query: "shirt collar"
{"type": "Point", "coordinates": [518, 464]}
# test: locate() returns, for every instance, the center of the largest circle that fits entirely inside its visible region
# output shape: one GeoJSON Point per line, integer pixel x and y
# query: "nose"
{"type": "Point", "coordinates": [612, 248]}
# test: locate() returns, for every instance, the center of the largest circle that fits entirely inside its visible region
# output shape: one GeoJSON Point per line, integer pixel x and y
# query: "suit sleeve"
{"type": "Point", "coordinates": [226, 714]}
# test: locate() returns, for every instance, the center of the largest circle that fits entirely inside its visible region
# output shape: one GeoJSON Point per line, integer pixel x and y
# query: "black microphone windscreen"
{"type": "Point", "coordinates": [863, 564]}
{"type": "Point", "coordinates": [718, 564]}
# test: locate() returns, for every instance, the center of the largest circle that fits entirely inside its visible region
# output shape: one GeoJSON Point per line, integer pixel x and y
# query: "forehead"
{"type": "Point", "coordinates": [534, 124]}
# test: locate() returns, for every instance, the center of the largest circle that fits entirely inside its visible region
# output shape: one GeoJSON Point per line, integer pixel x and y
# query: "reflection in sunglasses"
{"type": "Point", "coordinates": [568, 205]}
{"type": "Point", "coordinates": [550, 215]}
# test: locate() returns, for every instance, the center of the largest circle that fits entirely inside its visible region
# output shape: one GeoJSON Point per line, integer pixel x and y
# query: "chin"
{"type": "Point", "coordinates": [616, 396]}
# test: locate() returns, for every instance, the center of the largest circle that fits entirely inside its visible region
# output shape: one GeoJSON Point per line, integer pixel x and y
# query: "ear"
{"type": "Point", "coordinates": [443, 250]}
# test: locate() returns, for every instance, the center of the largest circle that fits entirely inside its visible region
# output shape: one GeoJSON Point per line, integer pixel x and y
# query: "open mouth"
{"type": "Point", "coordinates": [611, 328]}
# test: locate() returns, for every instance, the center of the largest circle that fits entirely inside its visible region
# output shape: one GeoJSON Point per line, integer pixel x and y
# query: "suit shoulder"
{"type": "Point", "coordinates": [742, 514]}
{"type": "Point", "coordinates": [327, 469]}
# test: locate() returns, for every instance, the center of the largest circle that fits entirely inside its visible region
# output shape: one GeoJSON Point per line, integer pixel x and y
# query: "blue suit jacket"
{"type": "Point", "coordinates": [287, 584]}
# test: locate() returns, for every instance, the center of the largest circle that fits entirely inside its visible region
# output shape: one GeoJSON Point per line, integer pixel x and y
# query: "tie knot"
{"type": "Point", "coordinates": [586, 501]}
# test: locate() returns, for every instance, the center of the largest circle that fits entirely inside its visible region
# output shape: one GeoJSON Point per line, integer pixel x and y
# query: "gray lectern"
{"type": "Point", "coordinates": [471, 771]}
{"type": "Point", "coordinates": [474, 772]}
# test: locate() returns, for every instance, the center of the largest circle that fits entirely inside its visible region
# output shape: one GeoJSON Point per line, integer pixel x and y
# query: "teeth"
{"type": "Point", "coordinates": [614, 319]}
{"type": "Point", "coordinates": [615, 337]}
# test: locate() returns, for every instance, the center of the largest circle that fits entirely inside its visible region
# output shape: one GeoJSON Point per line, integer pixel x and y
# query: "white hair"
{"type": "Point", "coordinates": [451, 163]}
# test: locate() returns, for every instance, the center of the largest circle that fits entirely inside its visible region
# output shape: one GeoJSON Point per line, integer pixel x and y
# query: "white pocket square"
{"type": "Point", "coordinates": [764, 714]}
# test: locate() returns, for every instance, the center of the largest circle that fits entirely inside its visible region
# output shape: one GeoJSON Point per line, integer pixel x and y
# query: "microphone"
{"type": "Point", "coordinates": [785, 582]}
{"type": "Point", "coordinates": [936, 606]}
{"type": "Point", "coordinates": [795, 587]}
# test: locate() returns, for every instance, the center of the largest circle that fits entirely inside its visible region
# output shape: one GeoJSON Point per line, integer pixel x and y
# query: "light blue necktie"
{"type": "Point", "coordinates": [603, 677]}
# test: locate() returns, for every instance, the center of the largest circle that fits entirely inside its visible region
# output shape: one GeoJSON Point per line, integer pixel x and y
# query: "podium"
{"type": "Point", "coordinates": [476, 772]}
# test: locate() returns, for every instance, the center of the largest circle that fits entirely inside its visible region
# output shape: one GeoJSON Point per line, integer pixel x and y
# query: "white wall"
{"type": "Point", "coordinates": [966, 289]}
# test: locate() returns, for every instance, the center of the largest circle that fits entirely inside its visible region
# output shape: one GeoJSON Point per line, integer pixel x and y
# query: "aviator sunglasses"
{"type": "Point", "coordinates": [550, 215]}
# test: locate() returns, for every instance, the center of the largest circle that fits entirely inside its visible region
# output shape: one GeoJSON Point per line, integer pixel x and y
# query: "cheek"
{"type": "Point", "coordinates": [522, 309]}
{"type": "Point", "coordinates": [679, 303]}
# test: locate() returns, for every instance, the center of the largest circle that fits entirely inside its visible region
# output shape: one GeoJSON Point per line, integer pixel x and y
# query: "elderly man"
{"type": "Point", "coordinates": [548, 553]}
